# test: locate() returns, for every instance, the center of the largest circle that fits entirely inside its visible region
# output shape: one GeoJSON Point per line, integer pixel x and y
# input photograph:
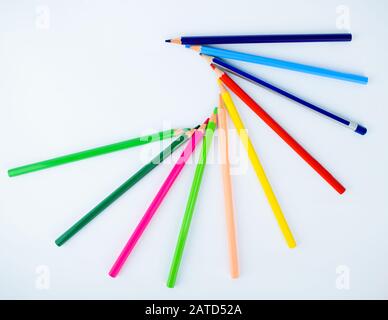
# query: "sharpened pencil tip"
{"type": "Point", "coordinates": [219, 72]}
{"type": "Point", "coordinates": [174, 40]}
{"type": "Point", "coordinates": [208, 59]}
{"type": "Point", "coordinates": [221, 86]}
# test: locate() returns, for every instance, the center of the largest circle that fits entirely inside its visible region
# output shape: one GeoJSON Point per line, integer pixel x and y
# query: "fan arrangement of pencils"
{"type": "Point", "coordinates": [192, 137]}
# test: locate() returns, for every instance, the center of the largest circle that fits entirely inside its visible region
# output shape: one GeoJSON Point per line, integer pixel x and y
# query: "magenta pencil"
{"type": "Point", "coordinates": [195, 139]}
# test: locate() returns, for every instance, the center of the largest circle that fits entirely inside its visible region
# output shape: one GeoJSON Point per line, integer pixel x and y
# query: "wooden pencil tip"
{"type": "Point", "coordinates": [174, 40]}
{"type": "Point", "coordinates": [219, 72]}
{"type": "Point", "coordinates": [213, 117]}
{"type": "Point", "coordinates": [195, 48]}
{"type": "Point", "coordinates": [178, 132]}
{"type": "Point", "coordinates": [222, 87]}
{"type": "Point", "coordinates": [220, 101]}
{"type": "Point", "coordinates": [204, 125]}
{"type": "Point", "coordinates": [208, 59]}
{"type": "Point", "coordinates": [190, 133]}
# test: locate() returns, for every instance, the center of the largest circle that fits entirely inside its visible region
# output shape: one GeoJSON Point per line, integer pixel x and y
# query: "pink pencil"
{"type": "Point", "coordinates": [196, 137]}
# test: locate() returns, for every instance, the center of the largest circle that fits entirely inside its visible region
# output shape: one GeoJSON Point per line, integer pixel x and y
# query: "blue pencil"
{"type": "Point", "coordinates": [270, 38]}
{"type": "Point", "coordinates": [277, 63]}
{"type": "Point", "coordinates": [242, 74]}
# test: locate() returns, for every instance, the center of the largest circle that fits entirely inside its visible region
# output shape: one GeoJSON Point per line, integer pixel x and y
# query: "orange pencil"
{"type": "Point", "coordinates": [228, 195]}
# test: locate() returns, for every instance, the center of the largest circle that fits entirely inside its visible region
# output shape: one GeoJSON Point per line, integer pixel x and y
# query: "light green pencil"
{"type": "Point", "coordinates": [94, 152]}
{"type": "Point", "coordinates": [176, 261]}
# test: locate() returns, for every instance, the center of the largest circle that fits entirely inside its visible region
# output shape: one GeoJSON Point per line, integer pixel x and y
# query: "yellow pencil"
{"type": "Point", "coordinates": [227, 182]}
{"type": "Point", "coordinates": [253, 157]}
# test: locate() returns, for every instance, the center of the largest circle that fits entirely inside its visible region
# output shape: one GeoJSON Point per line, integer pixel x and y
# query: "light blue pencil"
{"type": "Point", "coordinates": [277, 63]}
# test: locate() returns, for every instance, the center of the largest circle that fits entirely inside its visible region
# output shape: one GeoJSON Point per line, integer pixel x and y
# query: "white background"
{"type": "Point", "coordinates": [101, 73]}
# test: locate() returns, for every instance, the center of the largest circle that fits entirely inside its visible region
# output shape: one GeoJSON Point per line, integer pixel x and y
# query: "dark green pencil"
{"type": "Point", "coordinates": [122, 189]}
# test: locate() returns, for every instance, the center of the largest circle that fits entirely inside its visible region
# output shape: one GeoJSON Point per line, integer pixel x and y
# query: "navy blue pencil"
{"type": "Point", "coordinates": [242, 74]}
{"type": "Point", "coordinates": [270, 38]}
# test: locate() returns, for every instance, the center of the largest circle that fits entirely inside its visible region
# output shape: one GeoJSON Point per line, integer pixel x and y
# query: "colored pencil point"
{"type": "Point", "coordinates": [174, 41]}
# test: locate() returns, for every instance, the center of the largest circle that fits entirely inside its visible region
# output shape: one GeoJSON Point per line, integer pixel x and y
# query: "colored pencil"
{"type": "Point", "coordinates": [94, 152]}
{"type": "Point", "coordinates": [140, 174]}
{"type": "Point", "coordinates": [257, 166]}
{"type": "Point", "coordinates": [324, 173]}
{"type": "Point", "coordinates": [277, 63]}
{"type": "Point", "coordinates": [268, 38]}
{"type": "Point", "coordinates": [224, 66]}
{"type": "Point", "coordinates": [156, 202]}
{"type": "Point", "coordinates": [191, 203]}
{"type": "Point", "coordinates": [228, 194]}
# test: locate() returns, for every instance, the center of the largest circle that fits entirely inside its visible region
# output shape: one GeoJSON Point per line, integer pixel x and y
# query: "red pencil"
{"type": "Point", "coordinates": [279, 130]}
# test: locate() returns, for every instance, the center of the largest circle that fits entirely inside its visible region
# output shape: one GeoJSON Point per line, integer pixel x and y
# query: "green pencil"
{"type": "Point", "coordinates": [122, 189]}
{"type": "Point", "coordinates": [199, 170]}
{"type": "Point", "coordinates": [94, 152]}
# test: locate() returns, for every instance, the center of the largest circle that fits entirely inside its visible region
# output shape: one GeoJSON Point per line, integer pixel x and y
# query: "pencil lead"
{"type": "Point", "coordinates": [174, 40]}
